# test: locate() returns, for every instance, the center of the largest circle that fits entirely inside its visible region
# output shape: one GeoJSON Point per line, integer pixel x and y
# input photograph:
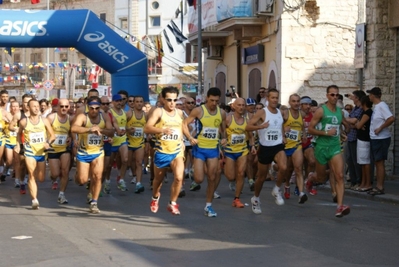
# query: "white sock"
{"type": "Point", "coordinates": [256, 198]}
{"type": "Point", "coordinates": [208, 204]}
{"type": "Point", "coordinates": [138, 183]}
{"type": "Point", "coordinates": [107, 181]}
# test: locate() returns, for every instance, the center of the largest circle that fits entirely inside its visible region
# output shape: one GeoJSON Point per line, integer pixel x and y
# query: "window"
{"type": "Point", "coordinates": [17, 58]}
{"type": "Point", "coordinates": [155, 5]}
{"type": "Point", "coordinates": [155, 21]}
{"type": "Point", "coordinates": [64, 56]}
{"type": "Point", "coordinates": [191, 53]}
{"type": "Point", "coordinates": [103, 17]}
{"type": "Point", "coordinates": [123, 23]}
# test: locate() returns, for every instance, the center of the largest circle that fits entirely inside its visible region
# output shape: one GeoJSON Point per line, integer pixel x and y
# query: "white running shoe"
{"type": "Point", "coordinates": [256, 206]}
{"type": "Point", "coordinates": [277, 194]}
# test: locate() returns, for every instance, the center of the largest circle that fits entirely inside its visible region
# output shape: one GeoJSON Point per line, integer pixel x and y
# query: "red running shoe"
{"type": "Point", "coordinates": [342, 211]}
{"type": "Point", "coordinates": [287, 193]}
{"type": "Point", "coordinates": [154, 204]}
{"type": "Point", "coordinates": [22, 189]}
{"type": "Point", "coordinates": [174, 209]}
{"type": "Point", "coordinates": [55, 185]}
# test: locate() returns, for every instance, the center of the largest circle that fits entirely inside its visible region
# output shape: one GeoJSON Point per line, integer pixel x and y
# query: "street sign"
{"type": "Point", "coordinates": [48, 85]}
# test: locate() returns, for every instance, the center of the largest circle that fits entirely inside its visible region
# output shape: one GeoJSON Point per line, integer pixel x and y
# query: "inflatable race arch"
{"type": "Point", "coordinates": [83, 30]}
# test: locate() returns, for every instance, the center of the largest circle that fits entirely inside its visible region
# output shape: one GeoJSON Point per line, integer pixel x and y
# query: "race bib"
{"type": "Point", "coordinates": [292, 135]}
{"type": "Point", "coordinates": [333, 126]}
{"type": "Point", "coordinates": [171, 137]}
{"type": "Point", "coordinates": [138, 133]}
{"type": "Point", "coordinates": [94, 140]}
{"type": "Point", "coordinates": [37, 138]}
{"type": "Point", "coordinates": [273, 134]}
{"type": "Point", "coordinates": [14, 134]}
{"type": "Point", "coordinates": [210, 133]}
{"type": "Point", "coordinates": [237, 139]}
{"type": "Point", "coordinates": [120, 128]}
{"type": "Point", "coordinates": [60, 139]}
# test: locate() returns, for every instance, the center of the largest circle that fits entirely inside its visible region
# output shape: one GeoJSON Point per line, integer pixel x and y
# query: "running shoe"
{"type": "Point", "coordinates": [88, 185]}
{"type": "Point", "coordinates": [89, 198]}
{"type": "Point", "coordinates": [9, 172]}
{"type": "Point", "coordinates": [287, 192]}
{"type": "Point", "coordinates": [208, 211]}
{"type": "Point", "coordinates": [133, 181]}
{"type": "Point", "coordinates": [17, 184]}
{"type": "Point", "coordinates": [276, 192]}
{"type": "Point", "coordinates": [145, 170]}
{"type": "Point", "coordinates": [186, 175]}
{"type": "Point", "coordinates": [342, 211]}
{"type": "Point", "coordinates": [191, 174]}
{"type": "Point", "coordinates": [174, 209]}
{"type": "Point", "coordinates": [22, 189]}
{"type": "Point", "coordinates": [182, 193]}
{"type": "Point", "coordinates": [216, 195]}
{"type": "Point", "coordinates": [139, 189]}
{"type": "Point", "coordinates": [130, 173]}
{"type": "Point", "coordinates": [3, 178]}
{"type": "Point", "coordinates": [296, 191]}
{"type": "Point", "coordinates": [256, 206]}
{"type": "Point", "coordinates": [302, 199]}
{"type": "Point", "coordinates": [334, 197]}
{"type": "Point", "coordinates": [54, 186]}
{"type": "Point", "coordinates": [232, 186]}
{"type": "Point", "coordinates": [107, 188]}
{"type": "Point", "coordinates": [35, 204]}
{"type": "Point", "coordinates": [94, 208]}
{"type": "Point", "coordinates": [309, 186]}
{"type": "Point", "coordinates": [154, 204]}
{"type": "Point", "coordinates": [194, 186]}
{"type": "Point", "coordinates": [122, 185]}
{"type": "Point", "coordinates": [62, 199]}
{"type": "Point", "coordinates": [237, 203]}
{"type": "Point", "coordinates": [251, 184]}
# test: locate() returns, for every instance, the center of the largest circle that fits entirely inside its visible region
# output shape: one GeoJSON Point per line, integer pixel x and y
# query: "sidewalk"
{"type": "Point", "coordinates": [391, 192]}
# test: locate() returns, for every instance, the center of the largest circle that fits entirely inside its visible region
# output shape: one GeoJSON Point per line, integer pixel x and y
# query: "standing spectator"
{"type": "Point", "coordinates": [355, 170]}
{"type": "Point", "coordinates": [380, 137]}
{"type": "Point", "coordinates": [349, 107]}
{"type": "Point", "coordinates": [44, 107]}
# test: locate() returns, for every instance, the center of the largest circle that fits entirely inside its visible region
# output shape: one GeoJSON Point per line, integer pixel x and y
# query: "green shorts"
{"type": "Point", "coordinates": [324, 154]}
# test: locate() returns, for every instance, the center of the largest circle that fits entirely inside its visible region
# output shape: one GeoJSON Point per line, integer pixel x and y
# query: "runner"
{"type": "Point", "coordinates": [294, 134]}
{"type": "Point", "coordinates": [269, 124]}
{"type": "Point", "coordinates": [60, 158]}
{"type": "Point", "coordinates": [250, 111]}
{"type": "Point", "coordinates": [35, 141]}
{"type": "Point", "coordinates": [236, 149]}
{"type": "Point", "coordinates": [4, 103]}
{"type": "Point", "coordinates": [91, 127]}
{"type": "Point", "coordinates": [8, 140]}
{"type": "Point", "coordinates": [326, 124]}
{"type": "Point", "coordinates": [166, 124]}
{"type": "Point", "coordinates": [136, 120]}
{"type": "Point", "coordinates": [107, 147]}
{"type": "Point", "coordinates": [210, 124]}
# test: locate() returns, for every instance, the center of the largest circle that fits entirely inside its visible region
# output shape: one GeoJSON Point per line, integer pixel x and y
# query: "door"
{"type": "Point", "coordinates": [254, 83]}
{"type": "Point", "coordinates": [221, 84]}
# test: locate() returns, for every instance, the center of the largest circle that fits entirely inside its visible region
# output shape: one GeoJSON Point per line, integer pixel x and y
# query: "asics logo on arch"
{"type": "Point", "coordinates": [106, 46]}
{"type": "Point", "coordinates": [23, 28]}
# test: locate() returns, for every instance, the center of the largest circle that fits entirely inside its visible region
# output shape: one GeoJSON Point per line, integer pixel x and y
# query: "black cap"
{"type": "Point", "coordinates": [359, 94]}
{"type": "Point", "coordinates": [314, 103]}
{"type": "Point", "coordinates": [375, 91]}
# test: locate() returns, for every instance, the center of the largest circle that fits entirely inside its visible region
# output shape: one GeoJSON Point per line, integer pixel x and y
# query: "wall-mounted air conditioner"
{"type": "Point", "coordinates": [264, 7]}
{"type": "Point", "coordinates": [214, 52]}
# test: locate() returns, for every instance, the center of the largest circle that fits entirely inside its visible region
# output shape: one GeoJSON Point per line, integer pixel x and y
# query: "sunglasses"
{"type": "Point", "coordinates": [120, 100]}
{"type": "Point", "coordinates": [348, 109]}
{"type": "Point", "coordinates": [333, 95]}
{"type": "Point", "coordinates": [97, 108]}
{"type": "Point", "coordinates": [190, 103]}
{"type": "Point", "coordinates": [170, 99]}
{"type": "Point", "coordinates": [64, 106]}
{"type": "Point", "coordinates": [103, 103]}
{"type": "Point", "coordinates": [131, 101]}
{"type": "Point", "coordinates": [124, 99]}
{"type": "Point", "coordinates": [261, 92]}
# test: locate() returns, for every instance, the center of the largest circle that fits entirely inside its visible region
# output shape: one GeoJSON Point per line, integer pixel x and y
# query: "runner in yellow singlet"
{"type": "Point", "coordinates": [136, 120]}
{"type": "Point", "coordinates": [11, 142]}
{"type": "Point", "coordinates": [91, 127]}
{"type": "Point", "coordinates": [60, 158]}
{"type": "Point", "coordinates": [34, 130]}
{"type": "Point", "coordinates": [166, 124]}
{"type": "Point", "coordinates": [210, 120]}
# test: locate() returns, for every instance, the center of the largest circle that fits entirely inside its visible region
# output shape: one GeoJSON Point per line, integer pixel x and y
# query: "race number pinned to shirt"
{"type": "Point", "coordinates": [138, 133]}
{"type": "Point", "coordinates": [60, 139]}
{"type": "Point", "coordinates": [292, 135]}
{"type": "Point", "coordinates": [37, 138]}
{"type": "Point", "coordinates": [175, 135]}
{"type": "Point", "coordinates": [93, 139]}
{"type": "Point", "coordinates": [332, 126]}
{"type": "Point", "coordinates": [237, 139]}
{"type": "Point", "coordinates": [210, 133]}
{"type": "Point", "coordinates": [273, 134]}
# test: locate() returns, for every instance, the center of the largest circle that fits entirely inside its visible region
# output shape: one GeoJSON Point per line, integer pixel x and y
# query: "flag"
{"type": "Point", "coordinates": [15, 1]}
{"type": "Point", "coordinates": [180, 38]}
{"type": "Point", "coordinates": [159, 48]}
{"type": "Point", "coordinates": [171, 50]}
{"type": "Point", "coordinates": [34, 2]}
{"type": "Point", "coordinates": [192, 3]}
{"type": "Point", "coordinates": [9, 50]}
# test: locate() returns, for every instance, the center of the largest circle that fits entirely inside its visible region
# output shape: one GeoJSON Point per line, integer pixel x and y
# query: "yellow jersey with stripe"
{"type": "Point", "coordinates": [136, 139]}
{"type": "Point", "coordinates": [61, 131]}
{"type": "Point", "coordinates": [2, 126]}
{"type": "Point", "coordinates": [294, 136]}
{"type": "Point", "coordinates": [35, 137]}
{"type": "Point", "coordinates": [236, 137]}
{"type": "Point", "coordinates": [11, 136]}
{"type": "Point", "coordinates": [172, 143]}
{"type": "Point", "coordinates": [208, 128]}
{"type": "Point", "coordinates": [89, 143]}
{"type": "Point", "coordinates": [121, 121]}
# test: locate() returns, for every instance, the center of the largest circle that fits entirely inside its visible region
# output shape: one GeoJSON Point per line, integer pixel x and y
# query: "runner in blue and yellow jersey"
{"type": "Point", "coordinates": [136, 120]}
{"type": "Point", "coordinates": [250, 169]}
{"type": "Point", "coordinates": [326, 126]}
{"type": "Point", "coordinates": [6, 138]}
{"type": "Point", "coordinates": [11, 142]}
{"type": "Point", "coordinates": [60, 158]}
{"type": "Point", "coordinates": [91, 127]}
{"type": "Point", "coordinates": [34, 130]}
{"type": "Point", "coordinates": [166, 124]}
{"type": "Point", "coordinates": [119, 141]}
{"type": "Point", "coordinates": [211, 126]}
{"type": "Point", "coordinates": [294, 134]}
{"type": "Point", "coordinates": [236, 149]}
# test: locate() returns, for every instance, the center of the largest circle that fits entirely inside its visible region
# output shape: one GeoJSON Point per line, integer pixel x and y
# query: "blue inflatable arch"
{"type": "Point", "coordinates": [83, 30]}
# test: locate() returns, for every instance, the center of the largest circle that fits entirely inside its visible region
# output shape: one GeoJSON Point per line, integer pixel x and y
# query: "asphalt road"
{"type": "Point", "coordinates": [127, 233]}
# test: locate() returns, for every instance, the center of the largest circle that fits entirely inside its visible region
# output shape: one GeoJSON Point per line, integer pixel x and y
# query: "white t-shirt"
{"type": "Point", "coordinates": [381, 113]}
{"type": "Point", "coordinates": [272, 135]}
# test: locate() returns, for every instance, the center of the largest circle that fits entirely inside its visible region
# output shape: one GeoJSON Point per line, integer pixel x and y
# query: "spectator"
{"type": "Point", "coordinates": [262, 96]}
{"type": "Point", "coordinates": [380, 137]}
{"type": "Point", "coordinates": [349, 107]}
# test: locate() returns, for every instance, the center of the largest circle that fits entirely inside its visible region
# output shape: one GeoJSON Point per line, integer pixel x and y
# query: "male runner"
{"type": "Point", "coordinates": [107, 147]}
{"type": "Point", "coordinates": [166, 124]}
{"type": "Point", "coordinates": [11, 142]}
{"type": "Point", "coordinates": [210, 125]}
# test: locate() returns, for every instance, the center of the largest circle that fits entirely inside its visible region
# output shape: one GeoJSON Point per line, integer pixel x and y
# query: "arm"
{"type": "Point", "coordinates": [22, 125]}
{"type": "Point", "coordinates": [223, 142]}
{"type": "Point", "coordinates": [362, 121]}
{"type": "Point", "coordinates": [50, 131]}
{"type": "Point", "coordinates": [150, 128]}
{"type": "Point", "coordinates": [7, 117]}
{"type": "Point", "coordinates": [386, 124]}
{"type": "Point", "coordinates": [129, 114]}
{"type": "Point", "coordinates": [13, 124]}
{"type": "Point", "coordinates": [77, 126]}
{"type": "Point", "coordinates": [317, 116]}
{"type": "Point", "coordinates": [347, 125]}
{"type": "Point", "coordinates": [254, 125]}
{"type": "Point", "coordinates": [108, 130]}
{"type": "Point", "coordinates": [195, 113]}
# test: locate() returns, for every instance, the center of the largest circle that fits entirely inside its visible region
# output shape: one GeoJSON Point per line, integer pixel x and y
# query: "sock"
{"type": "Point", "coordinates": [25, 180]}
{"type": "Point", "coordinates": [256, 198]}
{"type": "Point", "coordinates": [61, 193]}
{"type": "Point", "coordinates": [155, 198]}
{"type": "Point", "coordinates": [276, 188]}
{"type": "Point", "coordinates": [138, 183]}
{"type": "Point", "coordinates": [301, 194]}
{"type": "Point", "coordinates": [208, 204]}
{"type": "Point", "coordinates": [172, 202]}
{"type": "Point", "coordinates": [93, 202]}
{"type": "Point", "coordinates": [236, 198]}
{"type": "Point", "coordinates": [107, 181]}
{"type": "Point", "coordinates": [185, 171]}
{"type": "Point", "coordinates": [17, 181]}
